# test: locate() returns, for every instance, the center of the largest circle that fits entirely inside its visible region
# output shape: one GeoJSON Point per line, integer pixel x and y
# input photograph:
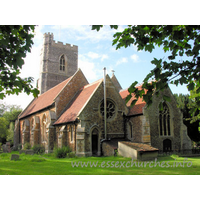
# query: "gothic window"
{"type": "Point", "coordinates": [110, 109]}
{"type": "Point", "coordinates": [164, 121]}
{"type": "Point", "coordinates": [62, 63]}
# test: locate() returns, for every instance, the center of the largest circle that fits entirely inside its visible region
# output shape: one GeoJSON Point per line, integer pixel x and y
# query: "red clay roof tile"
{"type": "Point", "coordinates": [138, 107]}
{"type": "Point", "coordinates": [44, 100]}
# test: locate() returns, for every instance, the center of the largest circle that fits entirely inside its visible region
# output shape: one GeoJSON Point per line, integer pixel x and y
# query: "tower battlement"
{"type": "Point", "coordinates": [49, 39]}
{"type": "Point", "coordinates": [58, 61]}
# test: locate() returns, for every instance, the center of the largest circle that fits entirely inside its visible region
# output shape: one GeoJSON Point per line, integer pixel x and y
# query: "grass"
{"type": "Point", "coordinates": [47, 164]}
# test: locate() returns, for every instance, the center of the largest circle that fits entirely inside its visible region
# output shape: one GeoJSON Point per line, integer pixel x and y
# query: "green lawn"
{"type": "Point", "coordinates": [47, 164]}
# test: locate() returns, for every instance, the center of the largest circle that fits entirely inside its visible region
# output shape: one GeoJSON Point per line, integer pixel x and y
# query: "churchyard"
{"type": "Point", "coordinates": [48, 164]}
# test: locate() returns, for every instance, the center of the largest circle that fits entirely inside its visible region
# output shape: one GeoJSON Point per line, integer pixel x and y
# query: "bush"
{"type": "Point", "coordinates": [71, 155]}
{"type": "Point", "coordinates": [62, 152]}
{"type": "Point", "coordinates": [27, 146]}
{"type": "Point", "coordinates": [38, 149]}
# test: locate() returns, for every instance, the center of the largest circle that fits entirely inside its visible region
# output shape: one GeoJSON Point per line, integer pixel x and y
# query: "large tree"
{"type": "Point", "coordinates": [15, 42]}
{"type": "Point", "coordinates": [185, 103]}
{"type": "Point", "coordinates": [183, 63]}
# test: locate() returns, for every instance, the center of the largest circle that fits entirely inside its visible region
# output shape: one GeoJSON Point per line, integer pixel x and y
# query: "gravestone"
{"type": "Point", "coordinates": [14, 157]}
{"type": "Point", "coordinates": [29, 151]}
{"type": "Point", "coordinates": [6, 147]}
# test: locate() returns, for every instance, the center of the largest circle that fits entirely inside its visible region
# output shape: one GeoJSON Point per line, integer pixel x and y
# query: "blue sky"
{"type": "Point", "coordinates": [95, 51]}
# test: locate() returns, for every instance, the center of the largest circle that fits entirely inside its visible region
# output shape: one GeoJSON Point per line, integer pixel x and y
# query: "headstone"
{"type": "Point", "coordinates": [14, 157]}
{"type": "Point", "coordinates": [4, 147]}
{"type": "Point", "coordinates": [22, 151]}
{"type": "Point", "coordinates": [29, 151]}
{"type": "Point", "coordinates": [8, 147]}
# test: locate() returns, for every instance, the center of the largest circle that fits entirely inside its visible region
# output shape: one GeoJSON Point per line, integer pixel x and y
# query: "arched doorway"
{"type": "Point", "coordinates": [95, 141]}
{"type": "Point", "coordinates": [167, 145]}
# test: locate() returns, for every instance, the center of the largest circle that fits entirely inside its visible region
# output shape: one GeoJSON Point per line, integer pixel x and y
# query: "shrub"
{"type": "Point", "coordinates": [38, 149]}
{"type": "Point", "coordinates": [27, 146]}
{"type": "Point", "coordinates": [62, 152]}
{"type": "Point", "coordinates": [71, 155]}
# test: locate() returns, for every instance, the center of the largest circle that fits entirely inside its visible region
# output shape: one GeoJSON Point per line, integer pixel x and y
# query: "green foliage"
{"type": "Point", "coordinates": [195, 105]}
{"type": "Point", "coordinates": [10, 114]}
{"type": "Point", "coordinates": [62, 152]}
{"type": "Point", "coordinates": [71, 155]}
{"type": "Point", "coordinates": [185, 103]}
{"type": "Point", "coordinates": [27, 145]}
{"type": "Point", "coordinates": [182, 42]}
{"type": "Point", "coordinates": [15, 42]}
{"type": "Point", "coordinates": [38, 149]}
{"type": "Point", "coordinates": [3, 129]}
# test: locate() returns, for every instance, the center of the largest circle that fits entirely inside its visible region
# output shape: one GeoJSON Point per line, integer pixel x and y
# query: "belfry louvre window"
{"type": "Point", "coordinates": [164, 121]}
{"type": "Point", "coordinates": [62, 63]}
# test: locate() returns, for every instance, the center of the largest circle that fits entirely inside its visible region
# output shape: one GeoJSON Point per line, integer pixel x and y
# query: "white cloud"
{"type": "Point", "coordinates": [93, 55]}
{"type": "Point", "coordinates": [103, 57]}
{"type": "Point", "coordinates": [135, 58]}
{"type": "Point", "coordinates": [122, 60]}
{"type": "Point", "coordinates": [85, 32]}
{"type": "Point", "coordinates": [88, 69]}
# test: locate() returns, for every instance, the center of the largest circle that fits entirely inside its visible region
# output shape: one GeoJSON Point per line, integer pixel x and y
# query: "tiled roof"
{"type": "Point", "coordinates": [139, 146]}
{"type": "Point", "coordinates": [44, 100]}
{"type": "Point", "coordinates": [78, 103]}
{"type": "Point", "coordinates": [138, 107]}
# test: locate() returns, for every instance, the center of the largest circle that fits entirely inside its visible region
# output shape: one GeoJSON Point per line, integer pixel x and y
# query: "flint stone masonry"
{"type": "Point", "coordinates": [50, 73]}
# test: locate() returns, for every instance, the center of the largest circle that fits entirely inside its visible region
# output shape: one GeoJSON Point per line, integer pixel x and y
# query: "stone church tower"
{"type": "Point", "coordinates": [58, 62]}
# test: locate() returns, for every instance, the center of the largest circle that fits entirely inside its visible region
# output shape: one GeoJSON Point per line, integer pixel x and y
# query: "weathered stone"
{"type": "Point", "coordinates": [22, 151]}
{"type": "Point", "coordinates": [29, 151]}
{"type": "Point", "coordinates": [14, 157]}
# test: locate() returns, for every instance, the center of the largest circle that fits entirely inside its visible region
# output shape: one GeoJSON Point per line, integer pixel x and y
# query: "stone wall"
{"type": "Point", "coordinates": [91, 117]}
{"type": "Point", "coordinates": [31, 130]}
{"type": "Point", "coordinates": [107, 149]}
{"type": "Point", "coordinates": [66, 95]}
{"type": "Point", "coordinates": [176, 122]}
{"type": "Point", "coordinates": [63, 136]}
{"type": "Point", "coordinates": [50, 73]}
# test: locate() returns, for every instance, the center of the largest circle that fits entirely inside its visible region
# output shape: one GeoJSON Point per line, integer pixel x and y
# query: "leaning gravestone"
{"type": "Point", "coordinates": [14, 157]}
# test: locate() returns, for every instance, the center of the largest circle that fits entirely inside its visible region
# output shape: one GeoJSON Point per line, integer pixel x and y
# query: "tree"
{"type": "Point", "coordinates": [3, 129]}
{"type": "Point", "coordinates": [8, 115]}
{"type": "Point", "coordinates": [195, 106]}
{"type": "Point", "coordinates": [185, 103]}
{"type": "Point", "coordinates": [11, 115]}
{"type": "Point", "coordinates": [181, 42]}
{"type": "Point", "coordinates": [15, 42]}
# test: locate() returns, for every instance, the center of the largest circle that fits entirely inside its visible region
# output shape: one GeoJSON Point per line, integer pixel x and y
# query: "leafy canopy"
{"type": "Point", "coordinates": [179, 41]}
{"type": "Point", "coordinates": [15, 42]}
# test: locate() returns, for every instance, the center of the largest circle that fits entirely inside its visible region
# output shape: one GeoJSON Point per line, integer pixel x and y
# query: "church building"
{"type": "Point", "coordinates": [70, 111]}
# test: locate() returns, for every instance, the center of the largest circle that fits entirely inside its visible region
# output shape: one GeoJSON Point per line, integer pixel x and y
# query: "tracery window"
{"type": "Point", "coordinates": [164, 121]}
{"type": "Point", "coordinates": [62, 63]}
{"type": "Point", "coordinates": [110, 109]}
